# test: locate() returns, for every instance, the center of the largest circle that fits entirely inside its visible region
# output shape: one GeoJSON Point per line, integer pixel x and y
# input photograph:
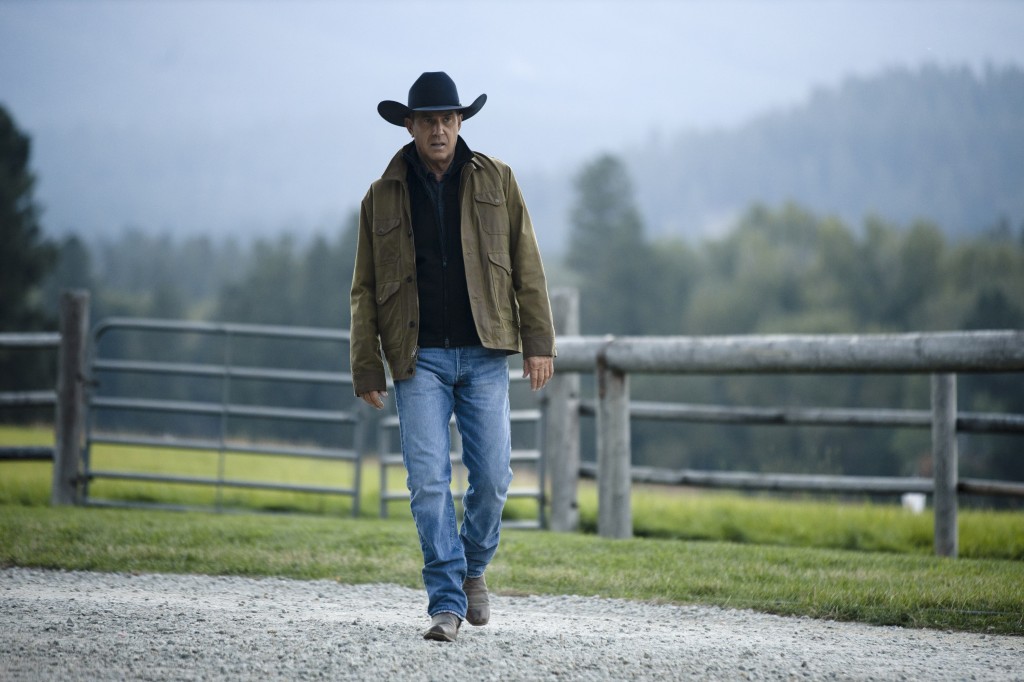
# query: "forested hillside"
{"type": "Point", "coordinates": [786, 269]}
{"type": "Point", "coordinates": [777, 267]}
{"type": "Point", "coordinates": [940, 144]}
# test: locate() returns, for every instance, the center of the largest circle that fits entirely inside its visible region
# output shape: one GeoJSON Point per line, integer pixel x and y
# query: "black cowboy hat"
{"type": "Point", "coordinates": [432, 91]}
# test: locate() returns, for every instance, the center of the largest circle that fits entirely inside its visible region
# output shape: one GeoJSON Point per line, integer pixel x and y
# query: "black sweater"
{"type": "Point", "coordinates": [446, 319]}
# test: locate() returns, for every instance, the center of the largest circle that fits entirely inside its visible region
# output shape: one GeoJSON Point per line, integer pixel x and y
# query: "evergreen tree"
{"type": "Point", "coordinates": [25, 258]}
{"type": "Point", "coordinates": [608, 253]}
{"type": "Point", "coordinates": [26, 255]}
{"type": "Point", "coordinates": [72, 270]}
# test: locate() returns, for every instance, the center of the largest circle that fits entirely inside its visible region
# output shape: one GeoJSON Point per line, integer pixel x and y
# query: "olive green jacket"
{"type": "Point", "coordinates": [507, 286]}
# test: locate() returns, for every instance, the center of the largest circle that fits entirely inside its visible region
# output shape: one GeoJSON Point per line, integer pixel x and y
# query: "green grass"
{"type": "Point", "coordinates": [28, 483]}
{"type": "Point", "coordinates": [791, 557]}
{"type": "Point", "coordinates": [658, 512]}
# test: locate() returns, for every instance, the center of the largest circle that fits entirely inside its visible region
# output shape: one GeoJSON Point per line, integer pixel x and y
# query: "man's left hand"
{"type": "Point", "coordinates": [539, 368]}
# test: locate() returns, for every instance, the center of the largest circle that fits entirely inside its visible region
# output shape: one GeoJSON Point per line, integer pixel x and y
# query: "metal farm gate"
{"type": "Point", "coordinates": [202, 406]}
{"type": "Point", "coordinates": [193, 405]}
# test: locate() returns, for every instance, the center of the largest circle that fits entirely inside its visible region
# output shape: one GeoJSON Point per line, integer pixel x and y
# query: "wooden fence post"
{"type": "Point", "coordinates": [70, 413]}
{"type": "Point", "coordinates": [614, 458]}
{"type": "Point", "coordinates": [562, 421]}
{"type": "Point", "coordinates": [944, 453]}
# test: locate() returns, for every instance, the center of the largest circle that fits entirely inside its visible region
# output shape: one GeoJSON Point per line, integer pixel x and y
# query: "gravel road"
{"type": "Point", "coordinates": [100, 626]}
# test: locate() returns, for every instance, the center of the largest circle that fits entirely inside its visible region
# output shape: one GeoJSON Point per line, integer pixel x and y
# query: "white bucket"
{"type": "Point", "coordinates": [913, 502]}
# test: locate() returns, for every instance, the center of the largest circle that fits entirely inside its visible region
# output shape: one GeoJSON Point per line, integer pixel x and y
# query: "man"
{"type": "Point", "coordinates": [448, 282]}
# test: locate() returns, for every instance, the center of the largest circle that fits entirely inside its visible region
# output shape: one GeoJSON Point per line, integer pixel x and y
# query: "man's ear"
{"type": "Point", "coordinates": [408, 125]}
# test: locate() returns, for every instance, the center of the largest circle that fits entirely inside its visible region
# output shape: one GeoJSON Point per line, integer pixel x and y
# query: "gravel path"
{"type": "Point", "coordinates": [101, 626]}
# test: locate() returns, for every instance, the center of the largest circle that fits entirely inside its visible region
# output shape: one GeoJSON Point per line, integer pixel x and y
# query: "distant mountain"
{"type": "Point", "coordinates": [941, 144]}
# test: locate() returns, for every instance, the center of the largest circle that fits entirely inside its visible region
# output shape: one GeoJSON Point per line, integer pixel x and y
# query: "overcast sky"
{"type": "Point", "coordinates": [219, 117]}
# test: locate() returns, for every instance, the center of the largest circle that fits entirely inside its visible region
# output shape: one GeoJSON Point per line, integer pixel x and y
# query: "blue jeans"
{"type": "Point", "coordinates": [472, 383]}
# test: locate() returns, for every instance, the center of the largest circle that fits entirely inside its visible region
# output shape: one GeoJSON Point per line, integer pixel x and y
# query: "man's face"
{"type": "Point", "coordinates": [435, 133]}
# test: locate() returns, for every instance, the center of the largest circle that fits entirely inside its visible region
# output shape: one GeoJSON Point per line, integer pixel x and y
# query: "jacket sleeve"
{"type": "Point", "coordinates": [364, 342]}
{"type": "Point", "coordinates": [536, 327]}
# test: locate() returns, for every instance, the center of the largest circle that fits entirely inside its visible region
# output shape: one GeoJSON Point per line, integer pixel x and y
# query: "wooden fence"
{"type": "Point", "coordinates": [612, 360]}
{"type": "Point", "coordinates": [942, 355]}
{"type": "Point", "coordinates": [68, 399]}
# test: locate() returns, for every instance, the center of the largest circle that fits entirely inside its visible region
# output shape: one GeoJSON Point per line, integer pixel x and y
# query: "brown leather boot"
{"type": "Point", "coordinates": [479, 609]}
{"type": "Point", "coordinates": [444, 627]}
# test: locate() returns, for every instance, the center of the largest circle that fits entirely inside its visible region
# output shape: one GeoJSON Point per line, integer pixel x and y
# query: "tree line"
{"type": "Point", "coordinates": [788, 270]}
{"type": "Point", "coordinates": [779, 269]}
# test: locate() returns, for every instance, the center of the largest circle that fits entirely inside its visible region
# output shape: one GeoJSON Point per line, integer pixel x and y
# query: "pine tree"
{"type": "Point", "coordinates": [26, 256]}
{"type": "Point", "coordinates": [607, 251]}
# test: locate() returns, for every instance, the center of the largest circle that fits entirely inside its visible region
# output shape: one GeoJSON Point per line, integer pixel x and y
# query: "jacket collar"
{"type": "Point", "coordinates": [398, 167]}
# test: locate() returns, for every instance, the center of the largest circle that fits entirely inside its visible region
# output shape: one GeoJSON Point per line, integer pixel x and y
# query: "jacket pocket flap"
{"type": "Point", "coordinates": [386, 291]}
{"type": "Point", "coordinates": [494, 197]}
{"type": "Point", "coordinates": [385, 225]}
{"type": "Point", "coordinates": [502, 260]}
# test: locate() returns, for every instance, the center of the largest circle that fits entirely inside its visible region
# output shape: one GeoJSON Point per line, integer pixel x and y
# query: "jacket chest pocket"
{"type": "Point", "coordinates": [387, 241]}
{"type": "Point", "coordinates": [491, 211]}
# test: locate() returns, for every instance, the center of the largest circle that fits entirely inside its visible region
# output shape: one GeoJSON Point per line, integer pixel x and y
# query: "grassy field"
{"type": "Point", "coordinates": [827, 559]}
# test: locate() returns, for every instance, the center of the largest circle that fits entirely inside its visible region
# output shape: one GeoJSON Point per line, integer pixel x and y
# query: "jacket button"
{"type": "Point", "coordinates": [408, 278]}
{"type": "Point", "coordinates": [412, 323]}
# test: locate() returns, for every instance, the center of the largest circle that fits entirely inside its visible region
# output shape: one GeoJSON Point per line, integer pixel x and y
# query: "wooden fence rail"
{"type": "Point", "coordinates": [942, 355]}
{"type": "Point", "coordinates": [966, 422]}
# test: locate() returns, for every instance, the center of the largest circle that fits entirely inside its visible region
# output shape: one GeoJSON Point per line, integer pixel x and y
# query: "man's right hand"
{"type": "Point", "coordinates": [374, 398]}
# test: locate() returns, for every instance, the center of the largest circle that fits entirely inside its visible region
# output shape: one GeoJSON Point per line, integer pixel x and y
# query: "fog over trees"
{"type": "Point", "coordinates": [944, 145]}
{"type": "Point", "coordinates": [889, 204]}
{"type": "Point", "coordinates": [939, 144]}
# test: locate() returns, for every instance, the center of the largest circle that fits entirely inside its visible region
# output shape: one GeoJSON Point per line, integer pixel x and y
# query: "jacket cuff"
{"type": "Point", "coordinates": [364, 382]}
{"type": "Point", "coordinates": [543, 346]}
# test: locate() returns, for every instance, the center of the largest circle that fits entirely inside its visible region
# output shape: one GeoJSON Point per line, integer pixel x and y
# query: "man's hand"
{"type": "Point", "coordinates": [374, 398]}
{"type": "Point", "coordinates": [539, 368]}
